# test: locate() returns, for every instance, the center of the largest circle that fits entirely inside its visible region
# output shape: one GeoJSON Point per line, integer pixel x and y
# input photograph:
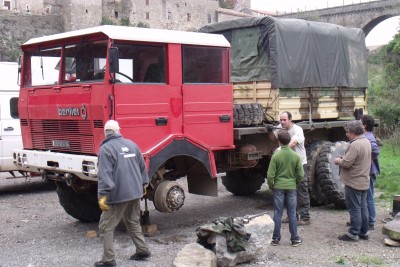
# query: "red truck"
{"type": "Point", "coordinates": [173, 94]}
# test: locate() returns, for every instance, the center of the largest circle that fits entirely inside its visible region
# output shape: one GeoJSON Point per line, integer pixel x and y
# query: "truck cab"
{"type": "Point", "coordinates": [170, 92]}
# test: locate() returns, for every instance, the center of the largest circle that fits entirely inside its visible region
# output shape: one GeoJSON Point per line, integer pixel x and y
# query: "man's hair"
{"type": "Point", "coordinates": [368, 122]}
{"type": "Point", "coordinates": [284, 137]}
{"type": "Point", "coordinates": [289, 115]}
{"type": "Point", "coordinates": [354, 127]}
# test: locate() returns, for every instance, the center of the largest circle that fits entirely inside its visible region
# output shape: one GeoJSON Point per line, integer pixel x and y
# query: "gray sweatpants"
{"type": "Point", "coordinates": [129, 212]}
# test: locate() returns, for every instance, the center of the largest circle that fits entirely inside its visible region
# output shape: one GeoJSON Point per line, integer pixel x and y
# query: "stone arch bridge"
{"type": "Point", "coordinates": [363, 15]}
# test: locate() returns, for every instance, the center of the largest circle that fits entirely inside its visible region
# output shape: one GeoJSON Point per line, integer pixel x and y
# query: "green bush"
{"type": "Point", "coordinates": [124, 22]}
{"type": "Point", "coordinates": [142, 25]}
{"type": "Point", "coordinates": [388, 182]}
{"type": "Point", "coordinates": [107, 21]}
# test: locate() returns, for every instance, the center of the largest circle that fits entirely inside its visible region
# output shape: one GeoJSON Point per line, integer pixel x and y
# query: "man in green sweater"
{"type": "Point", "coordinates": [285, 171]}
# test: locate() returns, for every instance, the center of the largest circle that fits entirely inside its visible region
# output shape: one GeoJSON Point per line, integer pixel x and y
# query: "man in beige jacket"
{"type": "Point", "coordinates": [354, 172]}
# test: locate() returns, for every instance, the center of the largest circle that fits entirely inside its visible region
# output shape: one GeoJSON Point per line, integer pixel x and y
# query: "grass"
{"type": "Point", "coordinates": [388, 182]}
{"type": "Point", "coordinates": [340, 261]}
{"type": "Point", "coordinates": [370, 261]}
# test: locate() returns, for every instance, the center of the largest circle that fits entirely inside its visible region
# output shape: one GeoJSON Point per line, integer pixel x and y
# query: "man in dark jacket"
{"type": "Point", "coordinates": [122, 179]}
{"type": "Point", "coordinates": [368, 124]}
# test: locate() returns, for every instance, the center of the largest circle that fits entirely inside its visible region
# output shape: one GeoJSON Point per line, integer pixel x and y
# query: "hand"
{"type": "Point", "coordinates": [337, 160]}
{"type": "Point", "coordinates": [144, 189]}
{"type": "Point", "coordinates": [102, 203]}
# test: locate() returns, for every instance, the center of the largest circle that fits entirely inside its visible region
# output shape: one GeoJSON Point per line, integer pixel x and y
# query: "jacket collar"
{"type": "Point", "coordinates": [111, 137]}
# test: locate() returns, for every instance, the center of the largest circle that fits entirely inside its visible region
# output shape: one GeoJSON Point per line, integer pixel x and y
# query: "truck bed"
{"type": "Point", "coordinates": [316, 104]}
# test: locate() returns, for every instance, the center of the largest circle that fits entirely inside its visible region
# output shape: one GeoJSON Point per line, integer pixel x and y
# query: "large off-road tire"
{"type": "Point", "coordinates": [317, 197]}
{"type": "Point", "coordinates": [247, 114]}
{"type": "Point", "coordinates": [81, 206]}
{"type": "Point", "coordinates": [246, 181]}
{"type": "Point", "coordinates": [328, 173]}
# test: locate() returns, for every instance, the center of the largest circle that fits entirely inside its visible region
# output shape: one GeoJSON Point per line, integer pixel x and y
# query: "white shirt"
{"type": "Point", "coordinates": [296, 133]}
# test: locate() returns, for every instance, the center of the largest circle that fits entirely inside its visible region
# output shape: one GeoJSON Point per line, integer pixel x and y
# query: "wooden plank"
{"type": "Point", "coordinates": [326, 103]}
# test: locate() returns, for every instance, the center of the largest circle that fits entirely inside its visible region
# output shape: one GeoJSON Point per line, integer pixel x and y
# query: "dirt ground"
{"type": "Point", "coordinates": [35, 231]}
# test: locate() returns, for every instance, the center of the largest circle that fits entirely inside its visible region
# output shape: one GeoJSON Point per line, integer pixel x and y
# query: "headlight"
{"type": "Point", "coordinates": [89, 168]}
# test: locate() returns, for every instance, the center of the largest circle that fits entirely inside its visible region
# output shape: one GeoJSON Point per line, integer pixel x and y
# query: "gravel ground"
{"type": "Point", "coordinates": [35, 231]}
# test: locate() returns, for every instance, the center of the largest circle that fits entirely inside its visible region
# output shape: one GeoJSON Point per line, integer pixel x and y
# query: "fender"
{"type": "Point", "coordinates": [176, 145]}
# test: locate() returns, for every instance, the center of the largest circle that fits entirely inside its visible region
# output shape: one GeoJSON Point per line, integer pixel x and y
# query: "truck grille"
{"type": "Point", "coordinates": [62, 136]}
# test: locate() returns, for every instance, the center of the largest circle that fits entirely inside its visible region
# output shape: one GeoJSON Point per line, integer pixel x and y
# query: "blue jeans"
{"type": "Point", "coordinates": [280, 198]}
{"type": "Point", "coordinates": [370, 200]}
{"type": "Point", "coordinates": [356, 202]}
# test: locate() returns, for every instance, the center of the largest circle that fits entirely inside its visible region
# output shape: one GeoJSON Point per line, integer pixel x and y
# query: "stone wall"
{"type": "Point", "coordinates": [43, 17]}
{"type": "Point", "coordinates": [82, 14]}
{"type": "Point", "coordinates": [17, 29]}
{"type": "Point", "coordinates": [163, 14]}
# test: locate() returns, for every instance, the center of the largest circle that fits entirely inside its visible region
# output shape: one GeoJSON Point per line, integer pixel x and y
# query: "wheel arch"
{"type": "Point", "coordinates": [200, 168]}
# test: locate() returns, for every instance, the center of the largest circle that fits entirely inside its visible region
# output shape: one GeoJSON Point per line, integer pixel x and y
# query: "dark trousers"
{"type": "Point", "coordinates": [303, 197]}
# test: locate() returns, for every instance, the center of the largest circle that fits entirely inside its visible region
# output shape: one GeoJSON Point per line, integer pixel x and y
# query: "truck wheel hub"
{"type": "Point", "coordinates": [169, 196]}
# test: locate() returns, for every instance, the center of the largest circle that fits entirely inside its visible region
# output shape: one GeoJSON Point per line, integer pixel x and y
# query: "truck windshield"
{"type": "Point", "coordinates": [85, 62]}
{"type": "Point", "coordinates": [205, 65]}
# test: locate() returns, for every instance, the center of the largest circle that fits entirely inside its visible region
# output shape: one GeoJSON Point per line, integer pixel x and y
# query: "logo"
{"type": "Point", "coordinates": [125, 149]}
{"type": "Point", "coordinates": [73, 112]}
{"type": "Point", "coordinates": [83, 112]}
{"type": "Point", "coordinates": [68, 112]}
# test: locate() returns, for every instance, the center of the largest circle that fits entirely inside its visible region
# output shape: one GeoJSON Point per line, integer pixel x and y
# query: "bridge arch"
{"type": "Point", "coordinates": [374, 22]}
{"type": "Point", "coordinates": [365, 15]}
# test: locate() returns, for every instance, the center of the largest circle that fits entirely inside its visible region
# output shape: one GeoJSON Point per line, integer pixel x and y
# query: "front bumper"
{"type": "Point", "coordinates": [83, 166]}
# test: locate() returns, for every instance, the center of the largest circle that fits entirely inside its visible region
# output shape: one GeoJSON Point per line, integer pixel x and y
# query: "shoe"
{"type": "Point", "coordinates": [297, 242]}
{"type": "Point", "coordinates": [303, 222]}
{"type": "Point", "coordinates": [371, 227]}
{"type": "Point", "coordinates": [285, 220]}
{"type": "Point", "coordinates": [275, 242]}
{"type": "Point", "coordinates": [364, 237]}
{"type": "Point", "coordinates": [139, 256]}
{"type": "Point", "coordinates": [105, 263]}
{"type": "Point", "coordinates": [347, 238]}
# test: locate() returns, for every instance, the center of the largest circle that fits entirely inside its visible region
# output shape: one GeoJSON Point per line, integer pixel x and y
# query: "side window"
{"type": "Point", "coordinates": [85, 62]}
{"type": "Point", "coordinates": [141, 64]}
{"type": "Point", "coordinates": [14, 107]}
{"type": "Point", "coordinates": [205, 64]}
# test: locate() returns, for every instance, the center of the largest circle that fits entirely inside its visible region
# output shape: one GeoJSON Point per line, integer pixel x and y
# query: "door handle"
{"type": "Point", "coordinates": [111, 100]}
{"type": "Point", "coordinates": [161, 121]}
{"type": "Point", "coordinates": [224, 118]}
{"type": "Point", "coordinates": [9, 128]}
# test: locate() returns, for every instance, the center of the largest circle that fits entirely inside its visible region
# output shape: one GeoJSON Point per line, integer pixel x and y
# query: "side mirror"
{"type": "Point", "coordinates": [113, 59]}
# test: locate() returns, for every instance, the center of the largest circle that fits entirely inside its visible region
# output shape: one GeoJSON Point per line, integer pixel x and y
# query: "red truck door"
{"type": "Point", "coordinates": [207, 96]}
{"type": "Point", "coordinates": [146, 106]}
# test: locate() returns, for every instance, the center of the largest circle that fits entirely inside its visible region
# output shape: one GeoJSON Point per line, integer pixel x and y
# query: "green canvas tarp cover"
{"type": "Point", "coordinates": [294, 53]}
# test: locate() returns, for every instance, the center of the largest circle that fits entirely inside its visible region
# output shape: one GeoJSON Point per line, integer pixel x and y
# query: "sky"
{"type": "Point", "coordinates": [381, 34]}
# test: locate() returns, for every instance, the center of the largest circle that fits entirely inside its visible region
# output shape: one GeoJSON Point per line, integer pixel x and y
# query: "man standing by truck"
{"type": "Point", "coordinates": [122, 179]}
{"type": "Point", "coordinates": [297, 144]}
{"type": "Point", "coordinates": [354, 166]}
{"type": "Point", "coordinates": [368, 125]}
{"type": "Point", "coordinates": [284, 174]}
